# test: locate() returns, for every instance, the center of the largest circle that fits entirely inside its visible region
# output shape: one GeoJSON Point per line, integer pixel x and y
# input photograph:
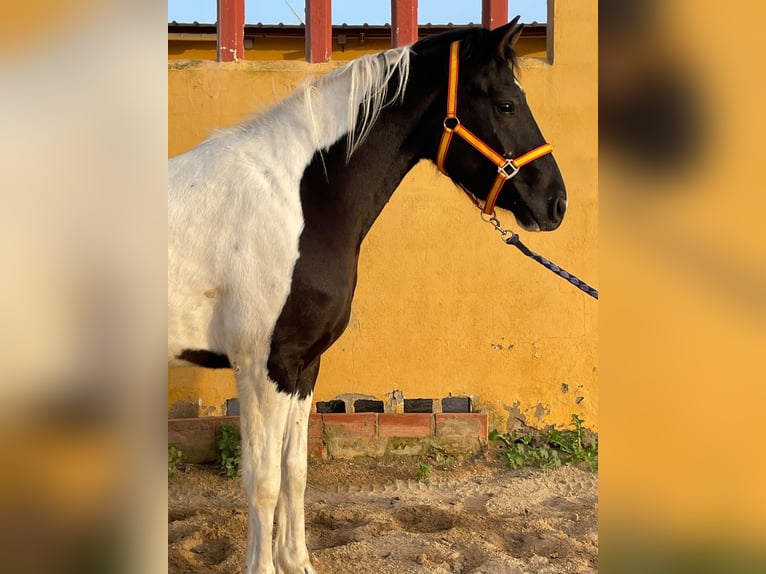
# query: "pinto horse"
{"type": "Point", "coordinates": [266, 220]}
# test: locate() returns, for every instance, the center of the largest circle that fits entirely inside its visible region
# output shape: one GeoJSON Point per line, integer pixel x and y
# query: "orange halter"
{"type": "Point", "coordinates": [506, 168]}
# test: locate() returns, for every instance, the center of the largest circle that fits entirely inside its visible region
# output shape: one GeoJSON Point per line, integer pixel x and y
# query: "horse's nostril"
{"type": "Point", "coordinates": [559, 209]}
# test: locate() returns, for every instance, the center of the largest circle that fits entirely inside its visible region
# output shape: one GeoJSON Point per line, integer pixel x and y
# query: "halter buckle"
{"type": "Point", "coordinates": [451, 123]}
{"type": "Point", "coordinates": [508, 169]}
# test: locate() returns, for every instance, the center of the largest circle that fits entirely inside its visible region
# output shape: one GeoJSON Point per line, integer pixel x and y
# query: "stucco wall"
{"type": "Point", "coordinates": [442, 305]}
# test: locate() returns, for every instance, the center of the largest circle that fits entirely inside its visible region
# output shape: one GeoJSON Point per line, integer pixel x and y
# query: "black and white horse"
{"type": "Point", "coordinates": [266, 220]}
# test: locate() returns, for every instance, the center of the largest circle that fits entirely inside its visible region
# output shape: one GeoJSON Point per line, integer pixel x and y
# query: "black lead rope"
{"type": "Point", "coordinates": [512, 238]}
{"type": "Point", "coordinates": [515, 240]}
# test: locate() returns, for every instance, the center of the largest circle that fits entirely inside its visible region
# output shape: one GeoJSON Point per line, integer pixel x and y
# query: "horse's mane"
{"type": "Point", "coordinates": [377, 81]}
{"type": "Point", "coordinates": [473, 42]}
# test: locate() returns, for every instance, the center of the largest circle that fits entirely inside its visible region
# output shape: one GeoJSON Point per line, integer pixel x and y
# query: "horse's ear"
{"type": "Point", "coordinates": [506, 37]}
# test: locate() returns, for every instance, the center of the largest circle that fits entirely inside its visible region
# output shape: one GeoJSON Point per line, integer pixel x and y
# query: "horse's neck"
{"type": "Point", "coordinates": [395, 145]}
{"type": "Point", "coordinates": [364, 185]}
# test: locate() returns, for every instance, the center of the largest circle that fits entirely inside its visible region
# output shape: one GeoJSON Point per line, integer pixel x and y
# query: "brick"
{"type": "Point", "coordinates": [368, 406]}
{"type": "Point", "coordinates": [225, 421]}
{"type": "Point", "coordinates": [195, 438]}
{"type": "Point", "coordinates": [405, 425]}
{"type": "Point", "coordinates": [418, 405]}
{"type": "Point", "coordinates": [175, 437]}
{"type": "Point", "coordinates": [315, 426]}
{"type": "Point", "coordinates": [232, 407]}
{"type": "Point", "coordinates": [333, 406]}
{"type": "Point", "coordinates": [349, 425]}
{"type": "Point", "coordinates": [317, 449]}
{"type": "Point", "coordinates": [461, 425]}
{"type": "Point", "coordinates": [456, 405]}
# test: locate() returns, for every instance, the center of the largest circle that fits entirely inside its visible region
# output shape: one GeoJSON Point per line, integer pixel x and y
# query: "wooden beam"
{"type": "Point", "coordinates": [231, 30]}
{"type": "Point", "coordinates": [318, 30]}
{"type": "Point", "coordinates": [404, 22]}
{"type": "Point", "coordinates": [494, 13]}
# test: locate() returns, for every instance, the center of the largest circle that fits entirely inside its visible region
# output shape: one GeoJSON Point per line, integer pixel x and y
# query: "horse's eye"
{"type": "Point", "coordinates": [506, 107]}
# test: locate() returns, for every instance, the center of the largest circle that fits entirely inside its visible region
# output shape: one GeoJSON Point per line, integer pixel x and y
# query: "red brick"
{"type": "Point", "coordinates": [317, 449]}
{"type": "Point", "coordinates": [195, 438]}
{"type": "Point", "coordinates": [405, 425]}
{"type": "Point", "coordinates": [175, 437]}
{"type": "Point", "coordinates": [466, 425]}
{"type": "Point", "coordinates": [229, 420]}
{"type": "Point", "coordinates": [315, 426]}
{"type": "Point", "coordinates": [349, 425]}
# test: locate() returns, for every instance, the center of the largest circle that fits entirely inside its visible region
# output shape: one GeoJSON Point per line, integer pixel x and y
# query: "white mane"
{"type": "Point", "coordinates": [365, 94]}
{"type": "Point", "coordinates": [368, 94]}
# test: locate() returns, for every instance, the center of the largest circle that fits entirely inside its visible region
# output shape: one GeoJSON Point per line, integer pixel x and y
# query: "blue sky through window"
{"type": "Point", "coordinates": [354, 11]}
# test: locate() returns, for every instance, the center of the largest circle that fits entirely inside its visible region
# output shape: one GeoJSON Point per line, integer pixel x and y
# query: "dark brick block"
{"type": "Point", "coordinates": [456, 405]}
{"type": "Point", "coordinates": [368, 406]}
{"type": "Point", "coordinates": [328, 407]}
{"type": "Point", "coordinates": [232, 407]}
{"type": "Point", "coordinates": [418, 405]}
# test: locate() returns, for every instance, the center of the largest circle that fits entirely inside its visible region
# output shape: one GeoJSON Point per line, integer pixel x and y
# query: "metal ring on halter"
{"type": "Point", "coordinates": [448, 118]}
{"type": "Point", "coordinates": [503, 169]}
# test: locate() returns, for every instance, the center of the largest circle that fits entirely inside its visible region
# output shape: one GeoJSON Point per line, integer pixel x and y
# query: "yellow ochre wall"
{"type": "Point", "coordinates": [442, 305]}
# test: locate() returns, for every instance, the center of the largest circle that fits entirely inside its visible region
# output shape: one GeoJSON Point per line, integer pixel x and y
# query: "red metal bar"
{"type": "Point", "coordinates": [494, 13]}
{"type": "Point", "coordinates": [550, 34]}
{"type": "Point", "coordinates": [231, 30]}
{"type": "Point", "coordinates": [404, 22]}
{"type": "Point", "coordinates": [318, 30]}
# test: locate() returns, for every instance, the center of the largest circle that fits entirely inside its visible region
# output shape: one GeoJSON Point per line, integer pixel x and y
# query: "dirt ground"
{"type": "Point", "coordinates": [373, 517]}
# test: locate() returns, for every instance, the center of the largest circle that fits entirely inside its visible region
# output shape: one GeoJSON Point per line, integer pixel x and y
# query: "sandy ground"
{"type": "Point", "coordinates": [372, 516]}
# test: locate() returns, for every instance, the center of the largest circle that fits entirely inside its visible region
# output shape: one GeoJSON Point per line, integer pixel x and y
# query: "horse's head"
{"type": "Point", "coordinates": [486, 122]}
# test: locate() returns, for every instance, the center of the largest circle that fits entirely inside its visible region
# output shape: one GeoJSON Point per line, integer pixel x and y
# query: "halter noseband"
{"type": "Point", "coordinates": [506, 167]}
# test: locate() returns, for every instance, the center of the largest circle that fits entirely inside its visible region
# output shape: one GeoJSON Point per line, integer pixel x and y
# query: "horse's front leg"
{"type": "Point", "coordinates": [290, 549]}
{"type": "Point", "coordinates": [263, 415]}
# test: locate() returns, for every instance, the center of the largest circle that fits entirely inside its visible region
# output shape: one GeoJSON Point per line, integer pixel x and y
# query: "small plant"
{"type": "Point", "coordinates": [230, 450]}
{"type": "Point", "coordinates": [424, 473]}
{"type": "Point", "coordinates": [444, 462]}
{"type": "Point", "coordinates": [175, 457]}
{"type": "Point", "coordinates": [573, 444]}
{"type": "Point", "coordinates": [548, 449]}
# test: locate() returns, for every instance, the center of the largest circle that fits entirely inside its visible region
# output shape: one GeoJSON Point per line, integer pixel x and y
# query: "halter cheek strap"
{"type": "Point", "coordinates": [506, 167]}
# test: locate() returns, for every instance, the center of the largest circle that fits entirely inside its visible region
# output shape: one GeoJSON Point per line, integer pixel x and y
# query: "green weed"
{"type": "Point", "coordinates": [424, 473]}
{"type": "Point", "coordinates": [230, 449]}
{"type": "Point", "coordinates": [550, 448]}
{"type": "Point", "coordinates": [175, 457]}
